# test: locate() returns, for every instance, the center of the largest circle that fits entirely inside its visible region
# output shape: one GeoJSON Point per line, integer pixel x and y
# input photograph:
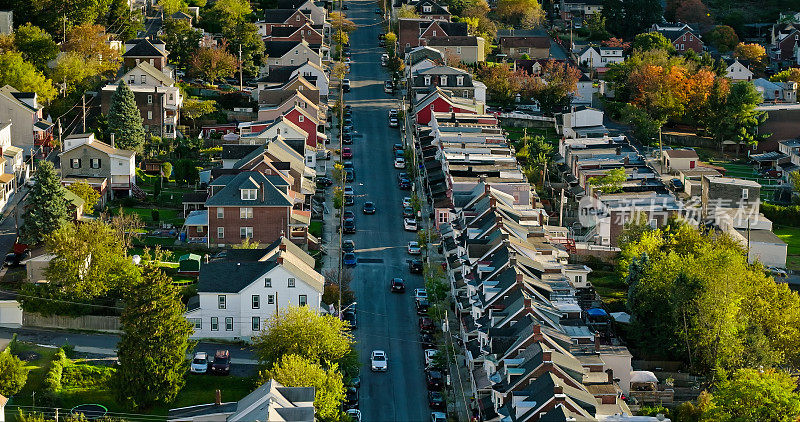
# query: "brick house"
{"type": "Point", "coordinates": [467, 49]}
{"type": "Point", "coordinates": [516, 43]}
{"type": "Point", "coordinates": [144, 50]}
{"type": "Point", "coordinates": [428, 9]}
{"type": "Point", "coordinates": [277, 18]}
{"type": "Point", "coordinates": [440, 101]}
{"type": "Point", "coordinates": [249, 205]}
{"type": "Point", "coordinates": [783, 39]}
{"type": "Point", "coordinates": [683, 37]}
{"type": "Point", "coordinates": [296, 33]}
{"type": "Point", "coordinates": [415, 32]}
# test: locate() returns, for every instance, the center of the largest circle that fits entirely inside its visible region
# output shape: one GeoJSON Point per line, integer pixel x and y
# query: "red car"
{"type": "Point", "coordinates": [426, 325]}
{"type": "Point", "coordinates": [347, 153]}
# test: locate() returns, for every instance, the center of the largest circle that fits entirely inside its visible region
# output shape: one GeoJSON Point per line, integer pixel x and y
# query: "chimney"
{"type": "Point", "coordinates": [547, 356]}
{"type": "Point", "coordinates": [262, 191]}
{"type": "Point", "coordinates": [279, 260]}
{"type": "Point", "coordinates": [557, 389]}
{"type": "Point", "coordinates": [596, 343]}
{"type": "Point", "coordinates": [527, 302]}
{"type": "Point", "coordinates": [466, 157]}
{"type": "Point", "coordinates": [610, 373]}
{"type": "Point", "coordinates": [486, 187]}
{"type": "Point", "coordinates": [519, 278]}
{"type": "Point", "coordinates": [218, 397]}
{"type": "Point", "coordinates": [282, 247]}
{"type": "Point", "coordinates": [537, 329]}
{"type": "Point", "coordinates": [512, 261]}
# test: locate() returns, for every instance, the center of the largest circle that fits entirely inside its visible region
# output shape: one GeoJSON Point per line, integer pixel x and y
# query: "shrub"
{"type": "Point", "coordinates": [13, 374]}
{"type": "Point", "coordinates": [52, 380]}
{"type": "Point", "coordinates": [785, 215]}
{"type": "Point", "coordinates": [86, 376]}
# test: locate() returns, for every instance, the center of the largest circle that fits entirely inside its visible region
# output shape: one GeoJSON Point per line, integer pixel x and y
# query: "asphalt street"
{"type": "Point", "coordinates": [386, 321]}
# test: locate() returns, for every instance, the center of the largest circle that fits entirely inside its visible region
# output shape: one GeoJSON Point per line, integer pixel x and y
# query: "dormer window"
{"type": "Point", "coordinates": [249, 194]}
{"type": "Point", "coordinates": [443, 80]}
{"type": "Point", "coordinates": [427, 80]}
{"type": "Point", "coordinates": [426, 8]}
{"type": "Point", "coordinates": [460, 80]}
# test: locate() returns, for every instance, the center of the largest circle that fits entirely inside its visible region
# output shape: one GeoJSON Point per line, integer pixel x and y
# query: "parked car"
{"type": "Point", "coordinates": [349, 175]}
{"type": "Point", "coordinates": [414, 248]}
{"type": "Point", "coordinates": [349, 214]}
{"type": "Point", "coordinates": [435, 400]}
{"type": "Point", "coordinates": [378, 362]}
{"type": "Point", "coordinates": [429, 355]}
{"type": "Point", "coordinates": [438, 417]}
{"type": "Point", "coordinates": [349, 226]}
{"type": "Point", "coordinates": [399, 163]}
{"type": "Point", "coordinates": [388, 87]}
{"type": "Point", "coordinates": [348, 190]}
{"type": "Point", "coordinates": [393, 113]}
{"type": "Point", "coordinates": [400, 153]}
{"type": "Point", "coordinates": [676, 184]}
{"type": "Point", "coordinates": [397, 285]}
{"type": "Point", "coordinates": [406, 202]}
{"type": "Point", "coordinates": [222, 362]}
{"type": "Point", "coordinates": [354, 414]}
{"type": "Point", "coordinates": [350, 317]}
{"type": "Point", "coordinates": [354, 382]}
{"type": "Point", "coordinates": [349, 200]}
{"type": "Point", "coordinates": [14, 259]}
{"type": "Point", "coordinates": [426, 340]}
{"type": "Point", "coordinates": [384, 59]}
{"type": "Point", "coordinates": [378, 11]}
{"type": "Point", "coordinates": [351, 398]}
{"type": "Point", "coordinates": [397, 147]}
{"type": "Point", "coordinates": [346, 85]}
{"type": "Point", "coordinates": [347, 138]}
{"type": "Point", "coordinates": [199, 363]}
{"type": "Point", "coordinates": [348, 246]}
{"type": "Point", "coordinates": [415, 266]}
{"type": "Point", "coordinates": [393, 122]}
{"type": "Point", "coordinates": [420, 294]}
{"type": "Point", "coordinates": [349, 259]}
{"type": "Point", "coordinates": [347, 153]}
{"type": "Point", "coordinates": [408, 212]}
{"type": "Point", "coordinates": [434, 379]}
{"type": "Point", "coordinates": [404, 184]}
{"type": "Point", "coordinates": [324, 182]}
{"type": "Point", "coordinates": [422, 306]}
{"type": "Point", "coordinates": [426, 325]}
{"type": "Point", "coordinates": [369, 207]}
{"type": "Point", "coordinates": [410, 224]}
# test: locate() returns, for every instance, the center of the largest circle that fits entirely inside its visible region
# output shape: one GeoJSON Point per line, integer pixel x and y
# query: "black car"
{"type": "Point", "coordinates": [15, 259]}
{"type": "Point", "coordinates": [408, 212]}
{"type": "Point", "coordinates": [378, 11]}
{"type": "Point", "coordinates": [427, 341]}
{"type": "Point", "coordinates": [350, 316]}
{"type": "Point", "coordinates": [398, 147]}
{"type": "Point", "coordinates": [349, 200]}
{"type": "Point", "coordinates": [348, 246]}
{"type": "Point", "coordinates": [222, 363]}
{"type": "Point", "coordinates": [369, 208]}
{"type": "Point", "coordinates": [355, 381]}
{"type": "Point", "coordinates": [415, 266]}
{"type": "Point", "coordinates": [435, 400]}
{"type": "Point", "coordinates": [349, 175]}
{"type": "Point", "coordinates": [344, 7]}
{"type": "Point", "coordinates": [349, 226]}
{"type": "Point", "coordinates": [351, 398]}
{"type": "Point", "coordinates": [422, 306]}
{"type": "Point", "coordinates": [347, 138]}
{"type": "Point", "coordinates": [676, 184]}
{"type": "Point", "coordinates": [324, 181]}
{"type": "Point", "coordinates": [402, 175]}
{"type": "Point", "coordinates": [434, 379]}
{"type": "Point", "coordinates": [348, 215]}
{"type": "Point", "coordinates": [397, 285]}
{"type": "Point", "coordinates": [404, 184]}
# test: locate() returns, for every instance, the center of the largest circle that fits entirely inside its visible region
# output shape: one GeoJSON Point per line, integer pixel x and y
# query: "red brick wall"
{"type": "Point", "coordinates": [695, 43]}
{"type": "Point", "coordinates": [158, 62]}
{"type": "Point", "coordinates": [305, 33]}
{"type": "Point", "coordinates": [268, 224]}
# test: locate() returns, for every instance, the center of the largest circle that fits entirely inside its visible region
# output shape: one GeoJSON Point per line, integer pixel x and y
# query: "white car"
{"type": "Point", "coordinates": [393, 122]}
{"type": "Point", "coordinates": [438, 417]}
{"type": "Point", "coordinates": [399, 163]}
{"type": "Point", "coordinates": [378, 361]}
{"type": "Point", "coordinates": [406, 202]}
{"type": "Point", "coordinates": [393, 112]}
{"type": "Point", "coordinates": [420, 294]}
{"type": "Point", "coordinates": [199, 363]}
{"type": "Point", "coordinates": [354, 414]}
{"type": "Point", "coordinates": [348, 190]}
{"type": "Point", "coordinates": [410, 224]}
{"type": "Point", "coordinates": [429, 354]}
{"type": "Point", "coordinates": [413, 248]}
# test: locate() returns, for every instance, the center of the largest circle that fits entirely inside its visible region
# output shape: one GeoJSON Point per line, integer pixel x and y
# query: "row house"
{"type": "Point", "coordinates": [421, 58]}
{"type": "Point", "coordinates": [457, 81]}
{"type": "Point", "coordinates": [30, 131]}
{"type": "Point", "coordinates": [414, 32]}
{"type": "Point", "coordinates": [315, 10]}
{"type": "Point", "coordinates": [290, 53]}
{"type": "Point", "coordinates": [269, 92]}
{"type": "Point", "coordinates": [467, 49]}
{"type": "Point", "coordinates": [429, 9]}
{"type": "Point", "coordinates": [682, 36]}
{"type": "Point", "coordinates": [287, 77]}
{"type": "Point", "coordinates": [281, 18]}
{"type": "Point", "coordinates": [296, 33]}
{"type": "Point", "coordinates": [442, 101]}
{"type": "Point", "coordinates": [516, 43]}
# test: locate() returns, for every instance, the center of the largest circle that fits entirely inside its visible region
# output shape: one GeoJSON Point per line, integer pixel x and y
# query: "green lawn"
{"type": "Point", "coordinates": [790, 235]}
{"type": "Point", "coordinates": [611, 289]}
{"type": "Point", "coordinates": [198, 389]}
{"type": "Point", "coordinates": [315, 229]}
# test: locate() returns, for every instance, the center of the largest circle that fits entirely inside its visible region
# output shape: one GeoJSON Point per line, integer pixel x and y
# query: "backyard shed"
{"type": "Point", "coordinates": [189, 264]}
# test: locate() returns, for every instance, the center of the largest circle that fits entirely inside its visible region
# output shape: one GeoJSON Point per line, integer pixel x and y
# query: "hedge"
{"type": "Point", "coordinates": [789, 216]}
{"type": "Point", "coordinates": [86, 376]}
{"type": "Point", "coordinates": [52, 380]}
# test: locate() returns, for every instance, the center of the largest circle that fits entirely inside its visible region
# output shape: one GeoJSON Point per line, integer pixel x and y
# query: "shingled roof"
{"type": "Point", "coordinates": [144, 48]}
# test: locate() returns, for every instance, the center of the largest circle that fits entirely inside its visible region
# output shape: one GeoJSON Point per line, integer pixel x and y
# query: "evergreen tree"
{"type": "Point", "coordinates": [155, 340]}
{"type": "Point", "coordinates": [125, 121]}
{"type": "Point", "coordinates": [47, 206]}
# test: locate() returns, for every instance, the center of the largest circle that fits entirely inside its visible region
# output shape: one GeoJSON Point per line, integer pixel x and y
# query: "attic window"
{"type": "Point", "coordinates": [745, 194]}
{"type": "Point", "coordinates": [426, 8]}
{"type": "Point", "coordinates": [443, 80]}
{"type": "Point", "coordinates": [427, 80]}
{"type": "Point", "coordinates": [249, 194]}
{"type": "Point", "coordinates": [460, 80]}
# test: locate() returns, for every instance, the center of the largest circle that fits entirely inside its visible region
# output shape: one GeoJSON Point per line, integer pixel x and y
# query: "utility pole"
{"type": "Point", "coordinates": [240, 67]}
{"type": "Point", "coordinates": [83, 111]}
{"type": "Point", "coordinates": [660, 150]}
{"type": "Point", "coordinates": [64, 30]}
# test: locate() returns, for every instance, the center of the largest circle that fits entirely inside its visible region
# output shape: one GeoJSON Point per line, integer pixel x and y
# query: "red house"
{"type": "Point", "coordinates": [682, 37]}
{"type": "Point", "coordinates": [295, 33]}
{"type": "Point", "coordinates": [307, 122]}
{"type": "Point", "coordinates": [439, 101]}
{"type": "Point", "coordinates": [281, 18]}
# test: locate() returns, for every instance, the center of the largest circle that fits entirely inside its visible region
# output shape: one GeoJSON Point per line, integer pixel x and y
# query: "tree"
{"type": "Point", "coordinates": [13, 374]}
{"type": "Point", "coordinates": [295, 371]}
{"type": "Point", "coordinates": [181, 41]}
{"type": "Point", "coordinates": [626, 18]}
{"type": "Point", "coordinates": [124, 120]}
{"type": "Point", "coordinates": [524, 13]}
{"type": "Point", "coordinates": [723, 37]}
{"type": "Point", "coordinates": [611, 182]}
{"type": "Point", "coordinates": [734, 117]}
{"type": "Point", "coordinates": [753, 52]}
{"type": "Point", "coordinates": [36, 45]}
{"type": "Point", "coordinates": [23, 76]}
{"type": "Point", "coordinates": [126, 226]}
{"type": "Point", "coordinates": [479, 9]}
{"type": "Point", "coordinates": [501, 82]}
{"type": "Point", "coordinates": [154, 342]}
{"type": "Point", "coordinates": [170, 7]}
{"type": "Point", "coordinates": [186, 171]}
{"type": "Point", "coordinates": [791, 74]}
{"type": "Point", "coordinates": [124, 20]}
{"type": "Point", "coordinates": [753, 395]}
{"type": "Point", "coordinates": [72, 71]}
{"type": "Point", "coordinates": [212, 62]}
{"type": "Point", "coordinates": [298, 330]}
{"type": "Point", "coordinates": [93, 43]}
{"type": "Point", "coordinates": [330, 294]}
{"type": "Point", "coordinates": [794, 181]}
{"type": "Point", "coordinates": [693, 11]}
{"type": "Point", "coordinates": [89, 259]}
{"type": "Point", "coordinates": [652, 41]}
{"type": "Point", "coordinates": [47, 207]}
{"type": "Point", "coordinates": [245, 34]}
{"type": "Point", "coordinates": [247, 244]}
{"type": "Point", "coordinates": [227, 13]}
{"type": "Point", "coordinates": [645, 127]}
{"type": "Point", "coordinates": [561, 81]}
{"type": "Point", "coordinates": [407, 11]}
{"type": "Point", "coordinates": [193, 109]}
{"type": "Point", "coordinates": [596, 25]}
{"type": "Point", "coordinates": [84, 191]}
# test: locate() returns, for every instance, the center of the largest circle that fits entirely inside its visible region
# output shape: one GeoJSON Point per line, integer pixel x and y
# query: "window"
{"type": "Point", "coordinates": [94, 163]}
{"type": "Point", "coordinates": [245, 212]}
{"type": "Point", "coordinates": [132, 80]}
{"type": "Point", "coordinates": [579, 279]}
{"type": "Point", "coordinates": [214, 324]}
{"type": "Point", "coordinates": [228, 323]}
{"type": "Point", "coordinates": [267, 282]}
{"type": "Point", "coordinates": [197, 323]}
{"type": "Point", "coordinates": [221, 232]}
{"type": "Point", "coordinates": [270, 299]}
{"type": "Point", "coordinates": [199, 229]}
{"type": "Point", "coordinates": [144, 79]}
{"type": "Point", "coordinates": [291, 282]}
{"type": "Point", "coordinates": [443, 80]}
{"type": "Point", "coordinates": [152, 62]}
{"type": "Point", "coordinates": [220, 212]}
{"type": "Point", "coordinates": [149, 115]}
{"type": "Point", "coordinates": [745, 194]}
{"type": "Point", "coordinates": [75, 163]}
{"type": "Point", "coordinates": [434, 33]}
{"type": "Point", "coordinates": [256, 302]}
{"type": "Point", "coordinates": [426, 8]}
{"type": "Point", "coordinates": [246, 232]}
{"type": "Point", "coordinates": [249, 194]}
{"type": "Point", "coordinates": [301, 118]}
{"type": "Point", "coordinates": [297, 18]}
{"type": "Point", "coordinates": [442, 217]}
{"type": "Point", "coordinates": [221, 301]}
{"type": "Point", "coordinates": [427, 80]}
{"type": "Point", "coordinates": [256, 323]}
{"type": "Point", "coordinates": [302, 300]}
{"type": "Point", "coordinates": [171, 96]}
{"type": "Point", "coordinates": [691, 37]}
{"type": "Point", "coordinates": [460, 80]}
{"type": "Point", "coordinates": [682, 47]}
{"type": "Point", "coordinates": [149, 99]}
{"type": "Point", "coordinates": [684, 37]}
{"type": "Point", "coordinates": [458, 50]}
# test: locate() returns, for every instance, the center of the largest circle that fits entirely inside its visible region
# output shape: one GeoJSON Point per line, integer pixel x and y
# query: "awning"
{"type": "Point", "coordinates": [197, 218]}
{"type": "Point", "coordinates": [302, 217]}
{"type": "Point", "coordinates": [230, 137]}
{"type": "Point", "coordinates": [6, 178]}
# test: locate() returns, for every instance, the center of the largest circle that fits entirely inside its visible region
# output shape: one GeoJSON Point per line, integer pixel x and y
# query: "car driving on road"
{"type": "Point", "coordinates": [369, 208]}
{"type": "Point", "coordinates": [378, 361]}
{"type": "Point", "coordinates": [397, 285]}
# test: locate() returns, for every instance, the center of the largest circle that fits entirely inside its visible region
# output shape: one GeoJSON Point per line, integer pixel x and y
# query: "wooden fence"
{"type": "Point", "coordinates": [86, 322]}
